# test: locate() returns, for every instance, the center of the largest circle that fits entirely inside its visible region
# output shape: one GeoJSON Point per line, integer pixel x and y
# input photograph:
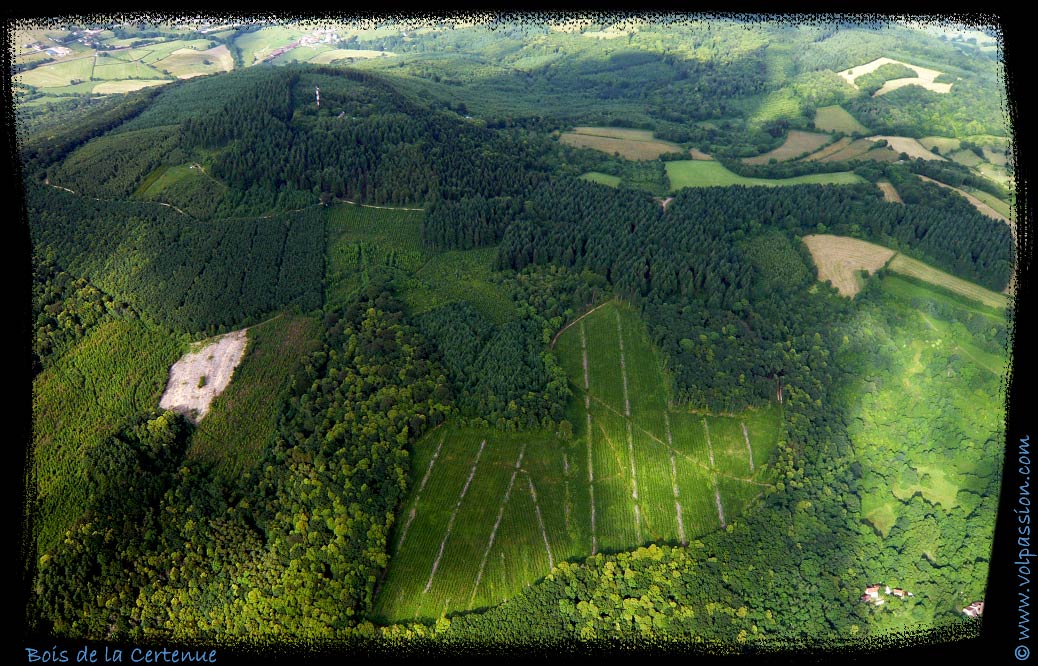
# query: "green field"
{"type": "Point", "coordinates": [602, 178]}
{"type": "Point", "coordinates": [490, 512]}
{"type": "Point", "coordinates": [836, 119]}
{"type": "Point", "coordinates": [917, 269]}
{"type": "Point", "coordinates": [118, 370]}
{"type": "Point", "coordinates": [111, 69]}
{"type": "Point", "coordinates": [700, 173]}
{"type": "Point", "coordinates": [58, 74]}
{"type": "Point", "coordinates": [1000, 206]}
{"type": "Point", "coordinates": [241, 420]}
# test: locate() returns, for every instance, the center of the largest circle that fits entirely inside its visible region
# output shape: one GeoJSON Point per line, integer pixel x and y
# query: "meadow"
{"type": "Point", "coordinates": [491, 512]}
{"type": "Point", "coordinates": [797, 143]}
{"type": "Point", "coordinates": [836, 119]}
{"type": "Point", "coordinates": [701, 173]}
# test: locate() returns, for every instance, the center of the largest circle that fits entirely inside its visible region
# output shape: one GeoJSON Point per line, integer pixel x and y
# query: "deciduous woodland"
{"type": "Point", "coordinates": [535, 349]}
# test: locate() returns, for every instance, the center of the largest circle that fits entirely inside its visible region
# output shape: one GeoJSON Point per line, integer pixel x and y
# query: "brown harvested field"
{"type": "Point", "coordinates": [894, 84]}
{"type": "Point", "coordinates": [859, 149]}
{"type": "Point", "coordinates": [831, 149]}
{"type": "Point", "coordinates": [919, 270]}
{"type": "Point", "coordinates": [616, 133]}
{"type": "Point", "coordinates": [631, 144]}
{"type": "Point", "coordinates": [889, 193]}
{"type": "Point", "coordinates": [924, 76]}
{"type": "Point", "coordinates": [796, 144]}
{"type": "Point", "coordinates": [188, 63]}
{"type": "Point", "coordinates": [699, 155]}
{"type": "Point", "coordinates": [909, 146]}
{"type": "Point", "coordinates": [841, 259]}
{"type": "Point", "coordinates": [977, 203]}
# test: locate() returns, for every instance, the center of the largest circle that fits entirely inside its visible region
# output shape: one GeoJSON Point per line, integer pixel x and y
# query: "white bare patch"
{"type": "Point", "coordinates": [454, 514]}
{"type": "Point", "coordinates": [497, 523]}
{"type": "Point", "coordinates": [202, 374]}
{"type": "Point", "coordinates": [749, 449]}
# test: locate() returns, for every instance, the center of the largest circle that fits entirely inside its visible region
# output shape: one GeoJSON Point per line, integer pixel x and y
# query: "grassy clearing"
{"type": "Point", "coordinates": [944, 145]}
{"type": "Point", "coordinates": [966, 158]}
{"type": "Point", "coordinates": [369, 243]}
{"type": "Point", "coordinates": [981, 205]}
{"type": "Point", "coordinates": [797, 144]}
{"type": "Point", "coordinates": [917, 269]}
{"type": "Point", "coordinates": [335, 55]}
{"type": "Point", "coordinates": [187, 63]}
{"type": "Point", "coordinates": [700, 173]}
{"type": "Point", "coordinates": [160, 51]}
{"type": "Point", "coordinates": [241, 420]}
{"type": "Point", "coordinates": [601, 178]}
{"type": "Point", "coordinates": [256, 46]}
{"type": "Point", "coordinates": [630, 144]}
{"type": "Point", "coordinates": [118, 370]}
{"type": "Point", "coordinates": [115, 87]}
{"type": "Point", "coordinates": [58, 74]}
{"type": "Point", "coordinates": [366, 242]}
{"type": "Point", "coordinates": [1001, 207]}
{"type": "Point", "coordinates": [836, 119]}
{"type": "Point", "coordinates": [459, 275]}
{"type": "Point", "coordinates": [535, 500]}
{"type": "Point", "coordinates": [841, 260]}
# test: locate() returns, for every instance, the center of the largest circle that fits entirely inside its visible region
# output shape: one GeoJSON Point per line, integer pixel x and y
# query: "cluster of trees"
{"type": "Point", "coordinates": [64, 308]}
{"type": "Point", "coordinates": [503, 374]}
{"type": "Point", "coordinates": [296, 548]}
{"type": "Point", "coordinates": [189, 276]}
{"type": "Point", "coordinates": [713, 296]}
{"type": "Point", "coordinates": [366, 143]}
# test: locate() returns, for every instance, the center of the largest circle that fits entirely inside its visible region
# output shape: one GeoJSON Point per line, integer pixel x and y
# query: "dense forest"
{"type": "Point", "coordinates": [168, 215]}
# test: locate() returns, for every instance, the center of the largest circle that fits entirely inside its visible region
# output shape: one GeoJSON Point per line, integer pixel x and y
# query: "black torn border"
{"type": "Point", "coordinates": [993, 639]}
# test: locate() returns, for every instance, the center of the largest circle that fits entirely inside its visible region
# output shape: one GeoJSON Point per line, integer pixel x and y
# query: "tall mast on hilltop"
{"type": "Point", "coordinates": [317, 92]}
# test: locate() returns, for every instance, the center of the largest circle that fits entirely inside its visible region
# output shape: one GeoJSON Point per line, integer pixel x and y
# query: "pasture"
{"type": "Point", "coordinates": [702, 173]}
{"type": "Point", "coordinates": [58, 74]}
{"type": "Point", "coordinates": [628, 143]}
{"type": "Point", "coordinates": [488, 512]}
{"type": "Point", "coordinates": [797, 143]}
{"type": "Point", "coordinates": [187, 63]}
{"type": "Point", "coordinates": [917, 269]}
{"type": "Point", "coordinates": [836, 119]}
{"type": "Point", "coordinates": [841, 260]}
